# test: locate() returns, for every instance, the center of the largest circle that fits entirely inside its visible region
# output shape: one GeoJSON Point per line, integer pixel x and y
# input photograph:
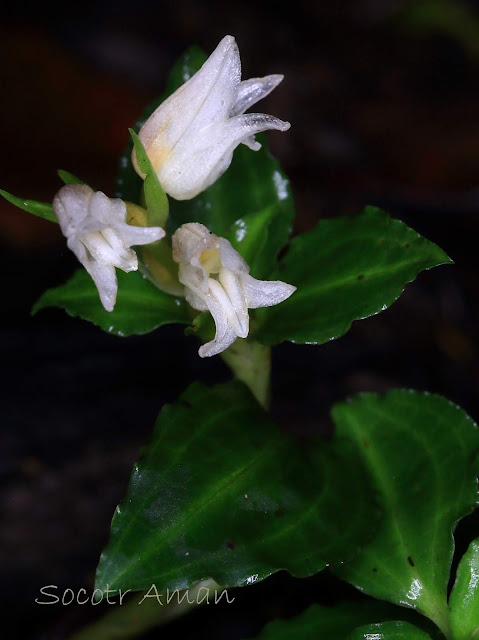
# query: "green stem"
{"type": "Point", "coordinates": [251, 363]}
{"type": "Point", "coordinates": [445, 627]}
{"type": "Point", "coordinates": [439, 614]}
{"type": "Point", "coordinates": [141, 613]}
{"type": "Point", "coordinates": [157, 264]}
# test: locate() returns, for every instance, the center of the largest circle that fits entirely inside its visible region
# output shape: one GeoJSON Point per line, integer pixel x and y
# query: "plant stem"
{"type": "Point", "coordinates": [444, 625]}
{"type": "Point", "coordinates": [439, 614]}
{"type": "Point", "coordinates": [251, 363]}
{"type": "Point", "coordinates": [138, 615]}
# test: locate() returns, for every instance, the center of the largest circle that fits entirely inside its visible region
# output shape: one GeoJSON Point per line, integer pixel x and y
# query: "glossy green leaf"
{"type": "Point", "coordinates": [222, 492]}
{"type": "Point", "coordinates": [140, 307]}
{"type": "Point", "coordinates": [40, 209]}
{"type": "Point", "coordinates": [464, 599]}
{"type": "Point", "coordinates": [155, 198]}
{"type": "Point", "coordinates": [422, 453]}
{"type": "Point", "coordinates": [251, 204]}
{"type": "Point", "coordinates": [69, 178]}
{"type": "Point", "coordinates": [331, 623]}
{"type": "Point", "coordinates": [258, 237]}
{"type": "Point", "coordinates": [392, 630]}
{"type": "Point", "coordinates": [345, 269]}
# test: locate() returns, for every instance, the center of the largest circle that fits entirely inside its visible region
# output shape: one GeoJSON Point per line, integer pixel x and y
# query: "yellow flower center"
{"type": "Point", "coordinates": [210, 261]}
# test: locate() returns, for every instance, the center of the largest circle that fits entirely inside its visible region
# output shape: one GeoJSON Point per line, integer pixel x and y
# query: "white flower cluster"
{"type": "Point", "coordinates": [190, 140]}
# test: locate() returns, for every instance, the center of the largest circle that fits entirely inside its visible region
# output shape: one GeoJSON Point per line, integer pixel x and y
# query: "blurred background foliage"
{"type": "Point", "coordinates": [383, 97]}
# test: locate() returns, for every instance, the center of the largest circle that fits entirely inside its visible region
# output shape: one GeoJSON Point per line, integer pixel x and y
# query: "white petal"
{"type": "Point", "coordinates": [255, 123]}
{"type": "Point", "coordinates": [196, 301]}
{"type": "Point", "coordinates": [249, 92]}
{"type": "Point", "coordinates": [125, 258]}
{"type": "Point", "coordinates": [132, 235]}
{"type": "Point", "coordinates": [220, 99]}
{"type": "Point", "coordinates": [118, 211]}
{"type": "Point", "coordinates": [190, 240]}
{"type": "Point", "coordinates": [197, 163]}
{"type": "Point", "coordinates": [188, 243]}
{"type": "Point", "coordinates": [225, 335]}
{"type": "Point", "coordinates": [228, 310]}
{"type": "Point", "coordinates": [99, 246]}
{"type": "Point", "coordinates": [116, 243]}
{"type": "Point", "coordinates": [221, 342]}
{"type": "Point", "coordinates": [103, 275]}
{"type": "Point", "coordinates": [265, 293]}
{"type": "Point", "coordinates": [100, 212]}
{"type": "Point", "coordinates": [232, 286]}
{"type": "Point", "coordinates": [194, 278]}
{"type": "Point", "coordinates": [209, 93]}
{"type": "Point", "coordinates": [230, 258]}
{"type": "Point", "coordinates": [100, 209]}
{"type": "Point", "coordinates": [79, 250]}
{"type": "Point", "coordinates": [70, 205]}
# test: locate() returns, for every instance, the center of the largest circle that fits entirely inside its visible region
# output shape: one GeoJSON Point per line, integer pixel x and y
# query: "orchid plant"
{"type": "Point", "coordinates": [220, 493]}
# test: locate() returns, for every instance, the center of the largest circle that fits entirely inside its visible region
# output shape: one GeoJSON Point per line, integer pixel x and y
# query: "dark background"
{"type": "Point", "coordinates": [383, 97]}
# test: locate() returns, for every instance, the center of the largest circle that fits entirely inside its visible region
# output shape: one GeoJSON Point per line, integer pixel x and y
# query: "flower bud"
{"type": "Point", "coordinates": [191, 136]}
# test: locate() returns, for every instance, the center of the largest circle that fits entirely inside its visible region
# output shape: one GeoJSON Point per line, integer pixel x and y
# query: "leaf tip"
{"type": "Point", "coordinates": [133, 135]}
{"type": "Point", "coordinates": [8, 196]}
{"type": "Point", "coordinates": [38, 306]}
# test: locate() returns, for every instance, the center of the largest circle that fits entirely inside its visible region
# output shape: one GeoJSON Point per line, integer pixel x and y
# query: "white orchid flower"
{"type": "Point", "coordinates": [96, 231]}
{"type": "Point", "coordinates": [216, 278]}
{"type": "Point", "coordinates": [191, 136]}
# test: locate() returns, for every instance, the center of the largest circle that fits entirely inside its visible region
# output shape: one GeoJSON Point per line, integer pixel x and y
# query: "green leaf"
{"type": "Point", "coordinates": [251, 204]}
{"type": "Point", "coordinates": [155, 197]}
{"type": "Point", "coordinates": [140, 306]}
{"type": "Point", "coordinates": [331, 623]}
{"type": "Point", "coordinates": [464, 599]}
{"type": "Point", "coordinates": [69, 178]}
{"type": "Point", "coordinates": [345, 269]}
{"type": "Point", "coordinates": [40, 209]}
{"type": "Point", "coordinates": [393, 630]}
{"type": "Point", "coordinates": [258, 238]}
{"type": "Point", "coordinates": [422, 453]}
{"type": "Point", "coordinates": [221, 492]}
